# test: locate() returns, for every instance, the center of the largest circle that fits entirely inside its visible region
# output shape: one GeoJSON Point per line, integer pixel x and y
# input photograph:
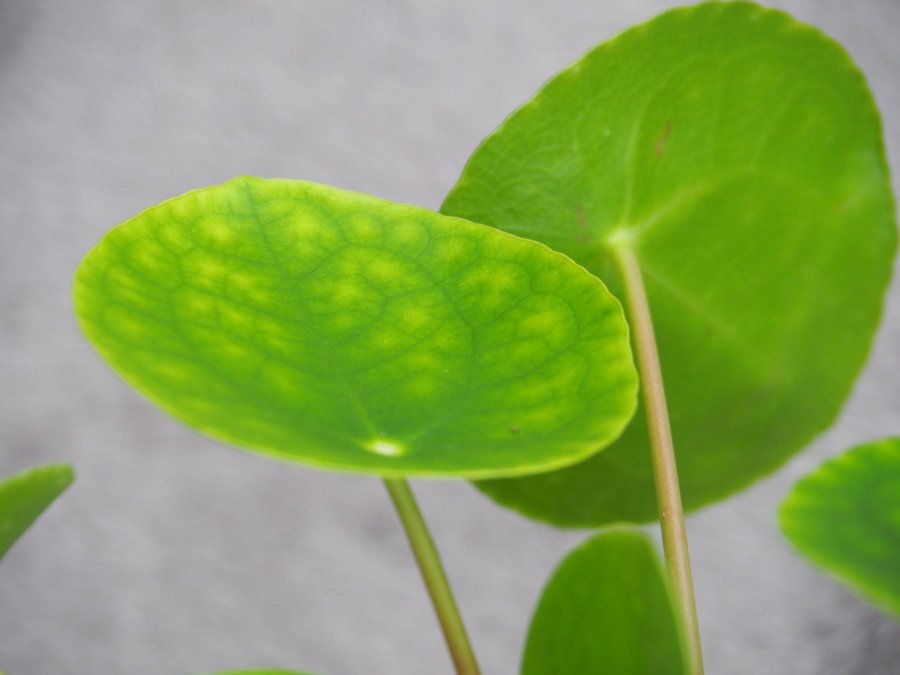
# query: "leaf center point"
{"type": "Point", "coordinates": [386, 448]}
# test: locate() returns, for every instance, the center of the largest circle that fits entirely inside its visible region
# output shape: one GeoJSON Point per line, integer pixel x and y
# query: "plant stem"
{"type": "Point", "coordinates": [434, 576]}
{"type": "Point", "coordinates": [665, 473]}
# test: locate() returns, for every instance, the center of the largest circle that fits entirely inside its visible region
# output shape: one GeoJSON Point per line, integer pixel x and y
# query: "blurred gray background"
{"type": "Point", "coordinates": [172, 555]}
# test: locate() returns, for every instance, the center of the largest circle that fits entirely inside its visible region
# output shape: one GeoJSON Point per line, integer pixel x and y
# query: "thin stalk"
{"type": "Point", "coordinates": [665, 473]}
{"type": "Point", "coordinates": [434, 576]}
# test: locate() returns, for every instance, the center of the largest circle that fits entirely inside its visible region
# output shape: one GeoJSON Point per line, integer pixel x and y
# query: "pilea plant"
{"type": "Point", "coordinates": [718, 170]}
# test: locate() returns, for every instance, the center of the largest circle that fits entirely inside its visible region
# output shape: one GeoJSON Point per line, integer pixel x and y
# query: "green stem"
{"type": "Point", "coordinates": [665, 473]}
{"type": "Point", "coordinates": [434, 576]}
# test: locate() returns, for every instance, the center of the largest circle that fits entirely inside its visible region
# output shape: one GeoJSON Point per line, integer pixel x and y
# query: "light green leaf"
{"type": "Point", "coordinates": [350, 333]}
{"type": "Point", "coordinates": [845, 517]}
{"type": "Point", "coordinates": [738, 154]}
{"type": "Point", "coordinates": [24, 496]}
{"type": "Point", "coordinates": [606, 610]}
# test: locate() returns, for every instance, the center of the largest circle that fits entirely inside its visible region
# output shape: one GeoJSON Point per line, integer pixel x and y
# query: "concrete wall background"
{"type": "Point", "coordinates": [172, 555]}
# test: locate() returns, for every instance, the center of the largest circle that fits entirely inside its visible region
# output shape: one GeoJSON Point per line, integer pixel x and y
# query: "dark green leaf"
{"type": "Point", "coordinates": [606, 610]}
{"type": "Point", "coordinates": [24, 496]}
{"type": "Point", "coordinates": [262, 672]}
{"type": "Point", "coordinates": [738, 154]}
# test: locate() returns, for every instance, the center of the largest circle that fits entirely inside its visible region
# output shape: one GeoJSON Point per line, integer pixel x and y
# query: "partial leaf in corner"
{"type": "Point", "coordinates": [845, 517]}
{"type": "Point", "coordinates": [24, 496]}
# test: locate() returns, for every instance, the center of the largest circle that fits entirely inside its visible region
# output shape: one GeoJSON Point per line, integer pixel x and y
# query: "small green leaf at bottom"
{"type": "Point", "coordinates": [24, 496]}
{"type": "Point", "coordinates": [607, 609]}
{"type": "Point", "coordinates": [264, 671]}
{"type": "Point", "coordinates": [845, 517]}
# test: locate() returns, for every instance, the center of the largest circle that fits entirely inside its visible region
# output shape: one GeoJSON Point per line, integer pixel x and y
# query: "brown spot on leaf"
{"type": "Point", "coordinates": [514, 430]}
{"type": "Point", "coordinates": [583, 234]}
{"type": "Point", "coordinates": [660, 146]}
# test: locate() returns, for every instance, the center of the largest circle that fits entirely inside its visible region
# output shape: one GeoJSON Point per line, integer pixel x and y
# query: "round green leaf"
{"type": "Point", "coordinates": [845, 517]}
{"type": "Point", "coordinates": [606, 609]}
{"type": "Point", "coordinates": [350, 333]}
{"type": "Point", "coordinates": [24, 497]}
{"type": "Point", "coordinates": [738, 154]}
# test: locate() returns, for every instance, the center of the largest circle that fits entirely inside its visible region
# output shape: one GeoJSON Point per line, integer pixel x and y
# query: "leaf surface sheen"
{"type": "Point", "coordinates": [845, 517]}
{"type": "Point", "coordinates": [24, 496]}
{"type": "Point", "coordinates": [606, 610]}
{"type": "Point", "coordinates": [738, 154]}
{"type": "Point", "coordinates": [350, 333]}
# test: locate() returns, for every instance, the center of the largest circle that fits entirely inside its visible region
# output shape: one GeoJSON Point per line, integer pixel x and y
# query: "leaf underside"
{"type": "Point", "coordinates": [606, 610]}
{"type": "Point", "coordinates": [738, 154]}
{"type": "Point", "coordinates": [350, 333]}
{"type": "Point", "coordinates": [24, 496]}
{"type": "Point", "coordinates": [845, 517]}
